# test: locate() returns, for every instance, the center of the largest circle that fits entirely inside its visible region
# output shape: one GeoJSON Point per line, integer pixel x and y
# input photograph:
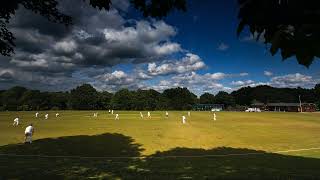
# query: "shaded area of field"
{"type": "Point", "coordinates": [258, 165]}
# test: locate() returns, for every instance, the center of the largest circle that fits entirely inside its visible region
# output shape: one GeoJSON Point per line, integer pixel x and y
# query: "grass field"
{"type": "Point", "coordinates": [239, 145]}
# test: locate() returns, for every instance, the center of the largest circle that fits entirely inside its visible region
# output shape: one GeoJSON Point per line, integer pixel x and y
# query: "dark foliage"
{"type": "Point", "coordinates": [291, 26]}
{"type": "Point", "coordinates": [85, 97]}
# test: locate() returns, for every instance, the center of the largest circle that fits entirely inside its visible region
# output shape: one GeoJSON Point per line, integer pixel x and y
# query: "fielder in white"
{"type": "Point", "coordinates": [109, 111]}
{"type": "Point", "coordinates": [141, 115]}
{"type": "Point", "coordinates": [117, 117]}
{"type": "Point", "coordinates": [46, 116]}
{"type": "Point", "coordinates": [37, 114]}
{"type": "Point", "coordinates": [189, 114]}
{"type": "Point", "coordinates": [183, 119]}
{"type": "Point", "coordinates": [149, 115]}
{"type": "Point", "coordinates": [57, 114]}
{"type": "Point", "coordinates": [16, 122]}
{"type": "Point", "coordinates": [167, 114]}
{"type": "Point", "coordinates": [112, 111]}
{"type": "Point", "coordinates": [28, 134]}
{"type": "Point", "coordinates": [214, 116]}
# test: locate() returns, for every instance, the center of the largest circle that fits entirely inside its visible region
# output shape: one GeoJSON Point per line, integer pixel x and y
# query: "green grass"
{"type": "Point", "coordinates": [77, 133]}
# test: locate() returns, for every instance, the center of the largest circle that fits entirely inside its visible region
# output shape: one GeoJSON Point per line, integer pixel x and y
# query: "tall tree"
{"type": "Point", "coordinates": [104, 101]}
{"type": "Point", "coordinates": [84, 97]}
{"type": "Point", "coordinates": [179, 98]}
{"type": "Point", "coordinates": [224, 98]}
{"type": "Point", "coordinates": [317, 94]}
{"type": "Point", "coordinates": [291, 26]}
{"type": "Point", "coordinates": [12, 97]}
{"type": "Point", "coordinates": [207, 98]}
{"type": "Point", "coordinates": [122, 100]}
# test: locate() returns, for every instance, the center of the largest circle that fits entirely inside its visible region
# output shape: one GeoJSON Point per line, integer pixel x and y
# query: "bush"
{"type": "Point", "coordinates": [55, 108]}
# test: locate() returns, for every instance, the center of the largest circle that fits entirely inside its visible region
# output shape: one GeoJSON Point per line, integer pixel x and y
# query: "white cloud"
{"type": "Point", "coordinates": [222, 47]}
{"type": "Point", "coordinates": [244, 74]}
{"type": "Point", "coordinates": [66, 46]}
{"type": "Point", "coordinates": [190, 62]}
{"type": "Point", "coordinates": [116, 78]}
{"type": "Point", "coordinates": [293, 80]}
{"type": "Point", "coordinates": [242, 83]}
{"type": "Point", "coordinates": [216, 76]}
{"type": "Point", "coordinates": [267, 73]}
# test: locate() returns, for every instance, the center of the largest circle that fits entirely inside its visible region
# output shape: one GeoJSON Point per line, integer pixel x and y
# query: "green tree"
{"type": "Point", "coordinates": [317, 94]}
{"type": "Point", "coordinates": [31, 99]}
{"type": "Point", "coordinates": [317, 91]}
{"type": "Point", "coordinates": [84, 97]}
{"type": "Point", "coordinates": [59, 100]}
{"type": "Point", "coordinates": [291, 26]}
{"type": "Point", "coordinates": [224, 98]}
{"type": "Point", "coordinates": [12, 98]}
{"type": "Point", "coordinates": [122, 100]}
{"type": "Point", "coordinates": [104, 101]}
{"type": "Point", "coordinates": [207, 98]}
{"type": "Point", "coordinates": [179, 98]}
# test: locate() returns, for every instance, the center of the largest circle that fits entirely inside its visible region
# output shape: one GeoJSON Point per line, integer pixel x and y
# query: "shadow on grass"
{"type": "Point", "coordinates": [161, 165]}
{"type": "Point", "coordinates": [110, 145]}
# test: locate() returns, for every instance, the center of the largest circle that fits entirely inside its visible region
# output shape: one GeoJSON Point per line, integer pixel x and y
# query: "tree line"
{"type": "Point", "coordinates": [86, 97]}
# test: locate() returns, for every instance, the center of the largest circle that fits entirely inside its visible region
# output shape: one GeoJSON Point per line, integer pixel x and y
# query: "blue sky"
{"type": "Point", "coordinates": [118, 49]}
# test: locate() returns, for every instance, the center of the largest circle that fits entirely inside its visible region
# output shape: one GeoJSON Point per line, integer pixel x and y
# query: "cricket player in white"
{"type": "Point", "coordinates": [109, 111]}
{"type": "Point", "coordinates": [141, 115]}
{"type": "Point", "coordinates": [183, 119]}
{"type": "Point", "coordinates": [189, 114]}
{"type": "Point", "coordinates": [149, 115]}
{"type": "Point", "coordinates": [167, 114]}
{"type": "Point", "coordinates": [37, 114]}
{"type": "Point", "coordinates": [28, 134]}
{"type": "Point", "coordinates": [214, 116]}
{"type": "Point", "coordinates": [117, 117]}
{"type": "Point", "coordinates": [46, 116]}
{"type": "Point", "coordinates": [57, 114]}
{"type": "Point", "coordinates": [16, 122]}
{"type": "Point", "coordinates": [112, 111]}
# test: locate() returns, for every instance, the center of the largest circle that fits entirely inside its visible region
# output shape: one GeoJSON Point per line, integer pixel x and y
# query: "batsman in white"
{"type": "Point", "coordinates": [57, 114]}
{"type": "Point", "coordinates": [141, 115]}
{"type": "Point", "coordinates": [214, 116]}
{"type": "Point", "coordinates": [37, 114]}
{"type": "Point", "coordinates": [117, 117]}
{"type": "Point", "coordinates": [149, 115]}
{"type": "Point", "coordinates": [183, 119]}
{"type": "Point", "coordinates": [46, 116]}
{"type": "Point", "coordinates": [28, 134]}
{"type": "Point", "coordinates": [16, 121]}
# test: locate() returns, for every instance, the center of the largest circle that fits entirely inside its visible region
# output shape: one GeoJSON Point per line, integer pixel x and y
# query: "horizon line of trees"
{"type": "Point", "coordinates": [86, 97]}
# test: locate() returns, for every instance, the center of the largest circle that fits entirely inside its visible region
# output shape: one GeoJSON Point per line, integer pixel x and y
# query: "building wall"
{"type": "Point", "coordinates": [305, 108]}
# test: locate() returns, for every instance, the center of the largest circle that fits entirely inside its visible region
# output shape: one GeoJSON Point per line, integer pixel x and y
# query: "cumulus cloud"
{"type": "Point", "coordinates": [116, 78]}
{"type": "Point", "coordinates": [99, 39]}
{"type": "Point", "coordinates": [190, 62]}
{"type": "Point", "coordinates": [293, 80]}
{"type": "Point", "coordinates": [242, 83]}
{"type": "Point", "coordinates": [267, 73]}
{"type": "Point", "coordinates": [285, 81]}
